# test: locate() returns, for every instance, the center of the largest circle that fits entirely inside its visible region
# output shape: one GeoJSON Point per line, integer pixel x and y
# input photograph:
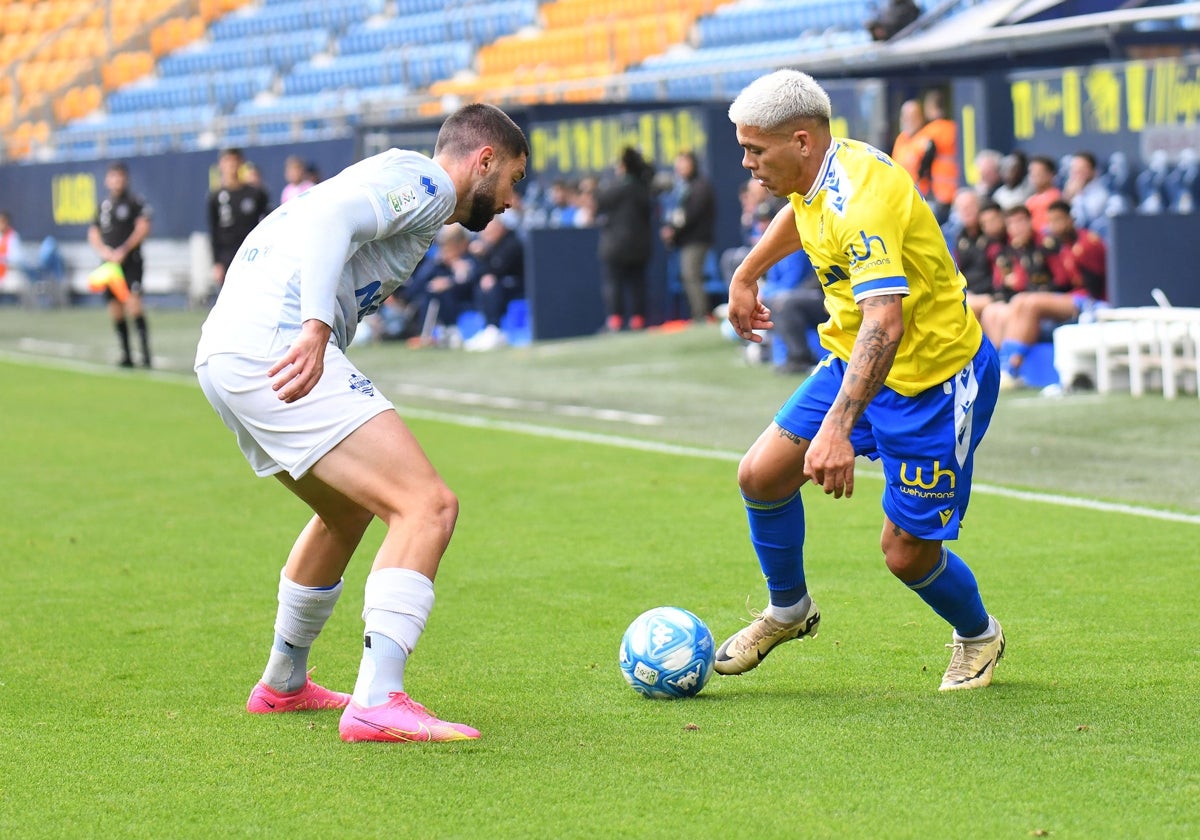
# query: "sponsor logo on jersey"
{"type": "Point", "coordinates": [428, 184]}
{"type": "Point", "coordinates": [403, 199]}
{"type": "Point", "coordinates": [360, 383]}
{"type": "Point", "coordinates": [918, 485]}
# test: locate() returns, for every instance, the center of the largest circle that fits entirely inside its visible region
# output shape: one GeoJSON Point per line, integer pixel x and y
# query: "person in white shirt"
{"type": "Point", "coordinates": [271, 362]}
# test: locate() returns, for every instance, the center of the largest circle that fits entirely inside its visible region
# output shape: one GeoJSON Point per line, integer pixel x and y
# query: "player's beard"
{"type": "Point", "coordinates": [483, 203]}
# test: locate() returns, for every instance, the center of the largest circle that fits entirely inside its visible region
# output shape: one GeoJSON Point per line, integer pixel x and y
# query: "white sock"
{"type": "Point", "coordinates": [302, 613]}
{"type": "Point", "coordinates": [396, 605]}
{"type": "Point", "coordinates": [986, 634]}
{"type": "Point", "coordinates": [790, 615]}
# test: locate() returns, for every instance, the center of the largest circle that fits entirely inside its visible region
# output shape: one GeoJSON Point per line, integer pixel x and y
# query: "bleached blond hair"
{"type": "Point", "coordinates": [779, 98]}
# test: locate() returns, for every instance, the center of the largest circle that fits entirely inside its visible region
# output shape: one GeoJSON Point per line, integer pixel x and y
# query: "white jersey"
{"type": "Point", "coordinates": [320, 256]}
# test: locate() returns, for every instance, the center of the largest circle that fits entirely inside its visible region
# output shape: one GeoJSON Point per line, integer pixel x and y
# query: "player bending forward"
{"type": "Point", "coordinates": [910, 379]}
{"type": "Point", "coordinates": [271, 361]}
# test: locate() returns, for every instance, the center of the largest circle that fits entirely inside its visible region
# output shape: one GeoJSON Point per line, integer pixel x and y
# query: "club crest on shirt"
{"type": "Point", "coordinates": [360, 383]}
{"type": "Point", "coordinates": [403, 199]}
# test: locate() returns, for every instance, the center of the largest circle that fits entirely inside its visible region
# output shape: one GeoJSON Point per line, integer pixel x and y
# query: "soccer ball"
{"type": "Point", "coordinates": [667, 652]}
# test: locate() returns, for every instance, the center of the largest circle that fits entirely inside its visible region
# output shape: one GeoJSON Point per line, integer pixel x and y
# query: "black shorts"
{"type": "Point", "coordinates": [224, 257]}
{"type": "Point", "coordinates": [133, 279]}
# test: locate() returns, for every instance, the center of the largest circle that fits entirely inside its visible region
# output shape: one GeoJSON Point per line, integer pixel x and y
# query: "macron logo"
{"type": "Point", "coordinates": [428, 184]}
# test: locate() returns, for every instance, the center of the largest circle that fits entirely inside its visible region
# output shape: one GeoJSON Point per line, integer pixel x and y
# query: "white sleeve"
{"type": "Point", "coordinates": [328, 238]}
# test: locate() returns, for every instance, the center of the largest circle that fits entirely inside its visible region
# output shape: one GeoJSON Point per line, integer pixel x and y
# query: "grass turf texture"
{"type": "Point", "coordinates": [138, 596]}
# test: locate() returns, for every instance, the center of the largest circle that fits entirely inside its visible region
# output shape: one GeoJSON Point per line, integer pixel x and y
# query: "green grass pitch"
{"type": "Point", "coordinates": [137, 599]}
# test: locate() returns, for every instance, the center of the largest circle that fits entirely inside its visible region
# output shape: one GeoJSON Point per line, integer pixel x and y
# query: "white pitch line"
{"type": "Point", "coordinates": [554, 433]}
{"type": "Point", "coordinates": [725, 455]}
{"type": "Point", "coordinates": [518, 404]}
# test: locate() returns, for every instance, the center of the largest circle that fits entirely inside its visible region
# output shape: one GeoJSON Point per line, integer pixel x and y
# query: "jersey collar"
{"type": "Point", "coordinates": [824, 173]}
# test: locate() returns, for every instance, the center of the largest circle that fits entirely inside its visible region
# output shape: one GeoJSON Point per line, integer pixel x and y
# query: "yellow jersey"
{"type": "Point", "coordinates": [868, 232]}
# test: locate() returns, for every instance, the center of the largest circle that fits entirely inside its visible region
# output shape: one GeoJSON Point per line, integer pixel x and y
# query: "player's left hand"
{"type": "Point", "coordinates": [300, 369]}
{"type": "Point", "coordinates": [829, 462]}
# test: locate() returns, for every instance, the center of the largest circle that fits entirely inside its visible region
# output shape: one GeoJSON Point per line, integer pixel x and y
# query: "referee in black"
{"type": "Point", "coordinates": [121, 225]}
{"type": "Point", "coordinates": [234, 208]}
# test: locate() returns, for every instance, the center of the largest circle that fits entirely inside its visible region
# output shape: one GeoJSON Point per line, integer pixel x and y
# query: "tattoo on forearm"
{"type": "Point", "coordinates": [870, 361]}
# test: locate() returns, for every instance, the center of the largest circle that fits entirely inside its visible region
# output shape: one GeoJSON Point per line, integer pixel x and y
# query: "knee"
{"type": "Point", "coordinates": [760, 478]}
{"type": "Point", "coordinates": [907, 557]}
{"type": "Point", "coordinates": [440, 508]}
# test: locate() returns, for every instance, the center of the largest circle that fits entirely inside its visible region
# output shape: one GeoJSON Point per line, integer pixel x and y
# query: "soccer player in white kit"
{"type": "Point", "coordinates": [271, 361]}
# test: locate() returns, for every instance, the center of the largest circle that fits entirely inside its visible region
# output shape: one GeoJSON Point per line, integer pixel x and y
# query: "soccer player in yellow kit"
{"type": "Point", "coordinates": [909, 379]}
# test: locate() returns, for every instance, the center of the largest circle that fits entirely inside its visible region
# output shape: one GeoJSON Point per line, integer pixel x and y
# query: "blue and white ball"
{"type": "Point", "coordinates": [666, 653]}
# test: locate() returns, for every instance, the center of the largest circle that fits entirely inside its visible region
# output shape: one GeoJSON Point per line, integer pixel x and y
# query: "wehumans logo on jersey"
{"type": "Point", "coordinates": [918, 486]}
{"type": "Point", "coordinates": [868, 244]}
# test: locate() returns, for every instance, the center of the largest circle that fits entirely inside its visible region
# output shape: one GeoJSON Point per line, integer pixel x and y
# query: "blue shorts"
{"type": "Point", "coordinates": [926, 444]}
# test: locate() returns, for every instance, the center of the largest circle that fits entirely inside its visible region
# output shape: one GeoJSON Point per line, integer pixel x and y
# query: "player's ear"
{"type": "Point", "coordinates": [487, 159]}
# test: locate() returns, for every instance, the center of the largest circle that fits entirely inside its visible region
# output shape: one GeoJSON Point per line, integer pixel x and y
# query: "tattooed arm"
{"type": "Point", "coordinates": [830, 457]}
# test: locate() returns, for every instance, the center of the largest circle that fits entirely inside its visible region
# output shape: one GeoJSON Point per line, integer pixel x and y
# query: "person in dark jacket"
{"type": "Point", "coordinates": [689, 229]}
{"type": "Point", "coordinates": [499, 278]}
{"type": "Point", "coordinates": [626, 208]}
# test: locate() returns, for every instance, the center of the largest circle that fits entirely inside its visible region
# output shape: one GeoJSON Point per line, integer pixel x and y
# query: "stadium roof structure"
{"type": "Point", "coordinates": [993, 31]}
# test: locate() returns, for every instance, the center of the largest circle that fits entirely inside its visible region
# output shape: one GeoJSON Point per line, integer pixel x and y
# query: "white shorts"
{"type": "Point", "coordinates": [276, 436]}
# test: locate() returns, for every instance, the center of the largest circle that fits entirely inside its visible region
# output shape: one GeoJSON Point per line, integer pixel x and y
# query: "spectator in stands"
{"type": "Point", "coordinates": [441, 284]}
{"type": "Point", "coordinates": [1086, 193]}
{"type": "Point", "coordinates": [969, 245]}
{"type": "Point", "coordinates": [234, 208]}
{"type": "Point", "coordinates": [10, 249]}
{"type": "Point", "coordinates": [793, 293]}
{"type": "Point", "coordinates": [561, 210]}
{"type": "Point", "coordinates": [689, 230]}
{"type": "Point", "coordinates": [585, 203]}
{"type": "Point", "coordinates": [295, 173]}
{"type": "Point", "coordinates": [1077, 263]}
{"type": "Point", "coordinates": [1044, 193]}
{"type": "Point", "coordinates": [46, 275]}
{"type": "Point", "coordinates": [625, 205]}
{"type": "Point", "coordinates": [121, 224]}
{"type": "Point", "coordinates": [893, 17]}
{"type": "Point", "coordinates": [758, 207]}
{"type": "Point", "coordinates": [1024, 264]}
{"type": "Point", "coordinates": [1014, 169]}
{"type": "Point", "coordinates": [1151, 184]}
{"type": "Point", "coordinates": [909, 148]}
{"type": "Point", "coordinates": [499, 278]}
{"type": "Point", "coordinates": [987, 169]}
{"type": "Point", "coordinates": [938, 175]}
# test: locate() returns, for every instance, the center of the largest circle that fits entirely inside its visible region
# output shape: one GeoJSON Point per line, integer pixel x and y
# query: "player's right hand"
{"type": "Point", "coordinates": [746, 312]}
{"type": "Point", "coordinates": [300, 369]}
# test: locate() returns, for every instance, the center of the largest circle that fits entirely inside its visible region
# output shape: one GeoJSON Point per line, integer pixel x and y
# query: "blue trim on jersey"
{"type": "Point", "coordinates": [818, 183]}
{"type": "Point", "coordinates": [880, 286]}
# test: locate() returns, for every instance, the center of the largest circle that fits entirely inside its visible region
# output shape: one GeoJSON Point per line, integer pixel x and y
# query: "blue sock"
{"type": "Point", "coordinates": [777, 534]}
{"type": "Point", "coordinates": [951, 591]}
{"type": "Point", "coordinates": [1012, 353]}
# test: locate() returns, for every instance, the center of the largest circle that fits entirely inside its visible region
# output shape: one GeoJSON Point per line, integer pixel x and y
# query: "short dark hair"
{"type": "Point", "coordinates": [1061, 206]}
{"type": "Point", "coordinates": [478, 124]}
{"type": "Point", "coordinates": [1018, 210]}
{"type": "Point", "coordinates": [988, 205]}
{"type": "Point", "coordinates": [1088, 156]}
{"type": "Point", "coordinates": [1044, 161]}
{"type": "Point", "coordinates": [118, 166]}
